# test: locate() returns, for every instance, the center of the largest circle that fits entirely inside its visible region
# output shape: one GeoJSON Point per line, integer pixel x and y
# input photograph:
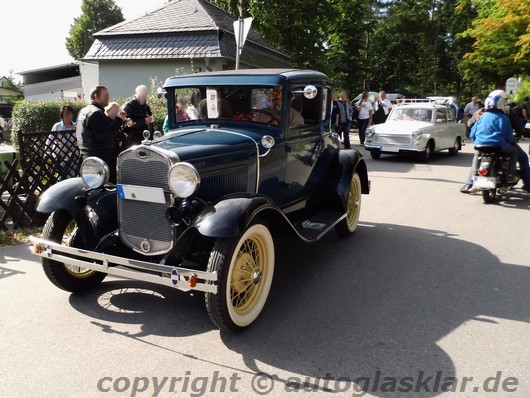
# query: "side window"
{"type": "Point", "coordinates": [304, 112]}
{"type": "Point", "coordinates": [450, 115]}
{"type": "Point", "coordinates": [440, 116]}
{"type": "Point", "coordinates": [326, 104]}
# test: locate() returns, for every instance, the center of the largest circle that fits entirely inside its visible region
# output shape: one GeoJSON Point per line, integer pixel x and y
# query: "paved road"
{"type": "Point", "coordinates": [434, 285]}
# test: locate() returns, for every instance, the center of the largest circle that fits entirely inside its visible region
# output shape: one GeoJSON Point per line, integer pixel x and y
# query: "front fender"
{"type": "Point", "coordinates": [95, 212]}
{"type": "Point", "coordinates": [61, 196]}
{"type": "Point", "coordinates": [230, 217]}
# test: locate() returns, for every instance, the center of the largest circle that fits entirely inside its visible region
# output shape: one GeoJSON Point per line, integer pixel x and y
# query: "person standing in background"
{"type": "Point", "coordinates": [344, 118]}
{"type": "Point", "coordinates": [140, 115]}
{"type": "Point", "coordinates": [62, 145]}
{"type": "Point", "coordinates": [96, 132]}
{"type": "Point", "coordinates": [366, 111]}
{"type": "Point", "coordinates": [334, 111]}
{"type": "Point", "coordinates": [471, 107]}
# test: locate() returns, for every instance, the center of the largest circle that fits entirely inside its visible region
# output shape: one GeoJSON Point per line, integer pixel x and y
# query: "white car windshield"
{"type": "Point", "coordinates": [411, 114]}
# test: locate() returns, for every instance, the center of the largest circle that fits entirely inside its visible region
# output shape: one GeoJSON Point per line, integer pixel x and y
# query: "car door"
{"type": "Point", "coordinates": [452, 128]}
{"type": "Point", "coordinates": [441, 138]}
{"type": "Point", "coordinates": [304, 143]}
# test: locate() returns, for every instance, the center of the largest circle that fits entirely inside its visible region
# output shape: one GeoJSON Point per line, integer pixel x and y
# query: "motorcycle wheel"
{"type": "Point", "coordinates": [489, 195]}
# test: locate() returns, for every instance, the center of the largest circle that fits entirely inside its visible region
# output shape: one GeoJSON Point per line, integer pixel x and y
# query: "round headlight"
{"type": "Point", "coordinates": [416, 135]}
{"type": "Point", "coordinates": [184, 179]}
{"type": "Point", "coordinates": [369, 132]}
{"type": "Point", "coordinates": [94, 172]}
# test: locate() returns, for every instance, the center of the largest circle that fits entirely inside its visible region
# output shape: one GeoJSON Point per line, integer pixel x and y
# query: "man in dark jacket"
{"type": "Point", "coordinates": [139, 115]}
{"type": "Point", "coordinates": [96, 132]}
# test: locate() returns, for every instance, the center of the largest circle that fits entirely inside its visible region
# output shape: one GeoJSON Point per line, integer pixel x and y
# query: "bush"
{"type": "Point", "coordinates": [523, 91]}
{"type": "Point", "coordinates": [31, 116]}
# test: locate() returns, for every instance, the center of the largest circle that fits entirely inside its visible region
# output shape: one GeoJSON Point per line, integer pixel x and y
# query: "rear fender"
{"type": "Point", "coordinates": [351, 161]}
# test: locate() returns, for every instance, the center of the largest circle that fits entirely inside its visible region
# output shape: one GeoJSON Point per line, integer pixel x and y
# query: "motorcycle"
{"type": "Point", "coordinates": [491, 177]}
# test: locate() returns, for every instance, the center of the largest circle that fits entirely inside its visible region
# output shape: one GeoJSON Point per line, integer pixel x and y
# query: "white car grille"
{"type": "Point", "coordinates": [393, 139]}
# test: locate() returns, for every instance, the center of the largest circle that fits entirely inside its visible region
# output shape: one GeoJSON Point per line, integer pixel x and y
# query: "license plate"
{"type": "Point", "coordinates": [389, 149]}
{"type": "Point", "coordinates": [142, 194]}
{"type": "Point", "coordinates": [485, 182]}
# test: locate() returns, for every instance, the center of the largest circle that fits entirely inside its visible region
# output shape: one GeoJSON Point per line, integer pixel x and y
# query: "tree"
{"type": "Point", "coordinates": [501, 40]}
{"type": "Point", "coordinates": [300, 34]}
{"type": "Point", "coordinates": [96, 15]}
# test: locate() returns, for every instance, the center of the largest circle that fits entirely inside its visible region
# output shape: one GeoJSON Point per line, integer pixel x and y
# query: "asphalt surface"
{"type": "Point", "coordinates": [433, 288]}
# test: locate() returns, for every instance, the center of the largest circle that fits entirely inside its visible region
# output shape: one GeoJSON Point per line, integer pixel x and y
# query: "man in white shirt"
{"type": "Point", "coordinates": [385, 103]}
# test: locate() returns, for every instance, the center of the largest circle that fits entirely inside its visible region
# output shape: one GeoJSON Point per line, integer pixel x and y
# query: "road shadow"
{"type": "Point", "coordinates": [403, 163]}
{"type": "Point", "coordinates": [378, 302]}
{"type": "Point", "coordinates": [159, 310]}
{"type": "Point", "coordinates": [7, 272]}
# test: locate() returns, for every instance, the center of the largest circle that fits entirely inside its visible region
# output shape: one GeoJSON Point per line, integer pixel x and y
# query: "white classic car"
{"type": "Point", "coordinates": [422, 128]}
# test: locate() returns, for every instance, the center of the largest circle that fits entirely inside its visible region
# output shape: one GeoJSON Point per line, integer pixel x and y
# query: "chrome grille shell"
{"type": "Point", "coordinates": [142, 225]}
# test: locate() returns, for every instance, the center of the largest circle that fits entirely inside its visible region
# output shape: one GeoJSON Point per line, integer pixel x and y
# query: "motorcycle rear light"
{"type": "Point", "coordinates": [482, 171]}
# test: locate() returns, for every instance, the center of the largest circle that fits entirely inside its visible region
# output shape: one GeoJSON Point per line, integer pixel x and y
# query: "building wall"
{"type": "Point", "coordinates": [68, 88]}
{"type": "Point", "coordinates": [89, 77]}
{"type": "Point", "coordinates": [122, 77]}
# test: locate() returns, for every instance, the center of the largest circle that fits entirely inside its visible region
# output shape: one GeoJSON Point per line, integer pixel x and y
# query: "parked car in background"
{"type": "Point", "coordinates": [200, 208]}
{"type": "Point", "coordinates": [421, 128]}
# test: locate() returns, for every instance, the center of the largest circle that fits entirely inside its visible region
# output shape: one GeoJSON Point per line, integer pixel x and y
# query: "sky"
{"type": "Point", "coordinates": [34, 31]}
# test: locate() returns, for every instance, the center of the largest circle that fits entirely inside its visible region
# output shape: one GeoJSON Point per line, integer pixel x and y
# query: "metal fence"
{"type": "Point", "coordinates": [44, 159]}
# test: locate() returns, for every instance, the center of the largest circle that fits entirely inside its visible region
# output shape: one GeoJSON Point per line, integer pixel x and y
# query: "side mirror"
{"type": "Point", "coordinates": [310, 92]}
{"type": "Point", "coordinates": [161, 92]}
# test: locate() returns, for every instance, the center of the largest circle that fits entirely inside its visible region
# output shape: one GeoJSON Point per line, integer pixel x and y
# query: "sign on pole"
{"type": "Point", "coordinates": [512, 85]}
{"type": "Point", "coordinates": [241, 29]}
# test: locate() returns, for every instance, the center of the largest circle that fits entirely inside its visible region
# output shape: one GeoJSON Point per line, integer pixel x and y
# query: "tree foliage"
{"type": "Point", "coordinates": [501, 40]}
{"type": "Point", "coordinates": [442, 47]}
{"type": "Point", "coordinates": [96, 15]}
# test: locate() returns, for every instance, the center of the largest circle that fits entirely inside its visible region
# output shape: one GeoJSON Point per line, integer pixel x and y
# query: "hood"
{"type": "Point", "coordinates": [205, 142]}
{"type": "Point", "coordinates": [400, 127]}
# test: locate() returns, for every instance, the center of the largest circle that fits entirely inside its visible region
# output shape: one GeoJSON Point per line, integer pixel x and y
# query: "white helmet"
{"type": "Point", "coordinates": [496, 100]}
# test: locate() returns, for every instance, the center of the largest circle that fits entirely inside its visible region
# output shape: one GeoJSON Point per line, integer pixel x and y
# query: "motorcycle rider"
{"type": "Point", "coordinates": [493, 127]}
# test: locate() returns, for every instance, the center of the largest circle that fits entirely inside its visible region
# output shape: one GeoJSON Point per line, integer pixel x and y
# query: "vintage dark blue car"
{"type": "Point", "coordinates": [249, 157]}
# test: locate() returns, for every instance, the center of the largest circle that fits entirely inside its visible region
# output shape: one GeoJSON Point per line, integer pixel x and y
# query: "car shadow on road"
{"type": "Point", "coordinates": [159, 310]}
{"type": "Point", "coordinates": [375, 304]}
{"type": "Point", "coordinates": [407, 162]}
{"type": "Point", "coordinates": [379, 302]}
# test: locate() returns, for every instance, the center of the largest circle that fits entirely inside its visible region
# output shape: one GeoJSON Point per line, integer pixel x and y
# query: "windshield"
{"type": "Point", "coordinates": [261, 105]}
{"type": "Point", "coordinates": [414, 114]}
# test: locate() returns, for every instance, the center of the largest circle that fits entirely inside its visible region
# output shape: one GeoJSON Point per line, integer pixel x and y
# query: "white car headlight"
{"type": "Point", "coordinates": [369, 133]}
{"type": "Point", "coordinates": [417, 135]}
{"type": "Point", "coordinates": [184, 179]}
{"type": "Point", "coordinates": [94, 172]}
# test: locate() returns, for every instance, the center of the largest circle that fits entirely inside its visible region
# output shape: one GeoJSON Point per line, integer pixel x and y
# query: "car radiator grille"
{"type": "Point", "coordinates": [143, 225]}
{"type": "Point", "coordinates": [396, 140]}
{"type": "Point", "coordinates": [219, 183]}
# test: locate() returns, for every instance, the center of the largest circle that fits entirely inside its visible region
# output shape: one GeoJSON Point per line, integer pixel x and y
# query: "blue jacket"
{"type": "Point", "coordinates": [493, 128]}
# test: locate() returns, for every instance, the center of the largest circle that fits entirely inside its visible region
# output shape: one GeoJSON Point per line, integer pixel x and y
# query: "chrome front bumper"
{"type": "Point", "coordinates": [166, 275]}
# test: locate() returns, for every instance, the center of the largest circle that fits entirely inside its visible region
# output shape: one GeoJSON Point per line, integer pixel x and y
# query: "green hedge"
{"type": "Point", "coordinates": [30, 116]}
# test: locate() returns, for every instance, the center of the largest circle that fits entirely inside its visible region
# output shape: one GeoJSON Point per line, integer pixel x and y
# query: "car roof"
{"type": "Point", "coordinates": [268, 77]}
{"type": "Point", "coordinates": [421, 105]}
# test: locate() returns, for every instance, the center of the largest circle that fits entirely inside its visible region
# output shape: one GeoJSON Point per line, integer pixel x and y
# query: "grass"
{"type": "Point", "coordinates": [18, 236]}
